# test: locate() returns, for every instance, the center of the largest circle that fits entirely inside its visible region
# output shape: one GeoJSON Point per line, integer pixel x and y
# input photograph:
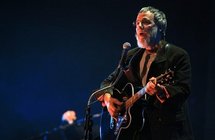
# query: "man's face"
{"type": "Point", "coordinates": [146, 29]}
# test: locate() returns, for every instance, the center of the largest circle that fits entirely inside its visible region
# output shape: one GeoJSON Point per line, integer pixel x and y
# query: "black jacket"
{"type": "Point", "coordinates": [168, 120]}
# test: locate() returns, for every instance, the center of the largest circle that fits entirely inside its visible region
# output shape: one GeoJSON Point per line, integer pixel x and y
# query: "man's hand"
{"type": "Point", "coordinates": [113, 105]}
{"type": "Point", "coordinates": [151, 86]}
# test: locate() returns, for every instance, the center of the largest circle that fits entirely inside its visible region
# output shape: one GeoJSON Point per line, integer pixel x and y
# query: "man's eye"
{"type": "Point", "coordinates": [146, 22]}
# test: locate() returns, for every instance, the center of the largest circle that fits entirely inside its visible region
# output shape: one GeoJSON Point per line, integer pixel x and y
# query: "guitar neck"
{"type": "Point", "coordinates": [161, 79]}
{"type": "Point", "coordinates": [134, 98]}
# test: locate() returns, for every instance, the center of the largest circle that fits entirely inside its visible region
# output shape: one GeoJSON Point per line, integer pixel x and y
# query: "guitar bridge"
{"type": "Point", "coordinates": [112, 124]}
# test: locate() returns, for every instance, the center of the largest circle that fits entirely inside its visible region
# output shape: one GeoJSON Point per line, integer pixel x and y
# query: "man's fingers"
{"type": "Point", "coordinates": [153, 80]}
{"type": "Point", "coordinates": [117, 102]}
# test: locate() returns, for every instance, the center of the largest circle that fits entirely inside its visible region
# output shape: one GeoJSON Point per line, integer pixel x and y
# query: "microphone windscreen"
{"type": "Point", "coordinates": [126, 45]}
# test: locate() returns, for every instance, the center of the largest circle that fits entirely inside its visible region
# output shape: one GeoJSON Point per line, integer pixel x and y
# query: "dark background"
{"type": "Point", "coordinates": [55, 53]}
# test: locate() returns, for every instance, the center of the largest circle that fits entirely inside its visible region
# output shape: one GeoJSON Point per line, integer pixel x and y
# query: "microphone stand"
{"type": "Point", "coordinates": [88, 117]}
{"type": "Point", "coordinates": [88, 124]}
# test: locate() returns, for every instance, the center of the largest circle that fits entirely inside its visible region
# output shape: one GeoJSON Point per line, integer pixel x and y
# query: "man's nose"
{"type": "Point", "coordinates": [140, 25]}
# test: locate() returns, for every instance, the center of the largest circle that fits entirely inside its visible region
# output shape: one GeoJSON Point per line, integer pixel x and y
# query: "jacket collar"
{"type": "Point", "coordinates": [161, 54]}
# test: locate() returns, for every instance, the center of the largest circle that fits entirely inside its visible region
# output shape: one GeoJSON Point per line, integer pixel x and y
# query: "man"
{"type": "Point", "coordinates": [163, 110]}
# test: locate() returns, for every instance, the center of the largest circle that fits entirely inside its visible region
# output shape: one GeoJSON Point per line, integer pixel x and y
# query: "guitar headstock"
{"type": "Point", "coordinates": [166, 78]}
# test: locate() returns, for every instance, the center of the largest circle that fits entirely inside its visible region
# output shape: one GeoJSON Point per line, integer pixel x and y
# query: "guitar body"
{"type": "Point", "coordinates": [130, 120]}
{"type": "Point", "coordinates": [129, 129]}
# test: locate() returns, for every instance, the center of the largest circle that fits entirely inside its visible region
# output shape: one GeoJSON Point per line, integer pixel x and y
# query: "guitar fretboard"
{"type": "Point", "coordinates": [134, 98]}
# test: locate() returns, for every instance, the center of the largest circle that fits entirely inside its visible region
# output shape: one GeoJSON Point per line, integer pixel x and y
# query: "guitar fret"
{"type": "Point", "coordinates": [132, 100]}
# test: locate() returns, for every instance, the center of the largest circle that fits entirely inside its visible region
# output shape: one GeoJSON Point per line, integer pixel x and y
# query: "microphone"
{"type": "Point", "coordinates": [125, 47]}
